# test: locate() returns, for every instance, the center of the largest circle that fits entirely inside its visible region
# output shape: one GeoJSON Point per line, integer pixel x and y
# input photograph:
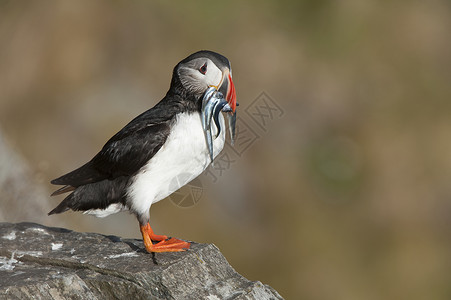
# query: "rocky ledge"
{"type": "Point", "coordinates": [53, 263]}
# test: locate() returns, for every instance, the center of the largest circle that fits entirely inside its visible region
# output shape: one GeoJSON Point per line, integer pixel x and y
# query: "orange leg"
{"type": "Point", "coordinates": [164, 244]}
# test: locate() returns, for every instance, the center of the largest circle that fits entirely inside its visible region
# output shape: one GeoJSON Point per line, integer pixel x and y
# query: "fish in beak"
{"type": "Point", "coordinates": [213, 103]}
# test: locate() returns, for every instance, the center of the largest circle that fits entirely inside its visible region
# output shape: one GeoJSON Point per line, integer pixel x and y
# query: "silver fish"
{"type": "Point", "coordinates": [213, 103]}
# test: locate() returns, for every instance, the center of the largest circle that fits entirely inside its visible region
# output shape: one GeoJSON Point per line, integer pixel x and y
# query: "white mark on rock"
{"type": "Point", "coordinates": [7, 264]}
{"type": "Point", "coordinates": [80, 260]}
{"type": "Point", "coordinates": [40, 230]}
{"type": "Point", "coordinates": [128, 254]}
{"type": "Point", "coordinates": [10, 236]}
{"type": "Point", "coordinates": [56, 246]}
{"type": "Point", "coordinates": [72, 251]}
{"type": "Point", "coordinates": [213, 297]}
{"type": "Point", "coordinates": [18, 272]}
{"type": "Point", "coordinates": [31, 253]}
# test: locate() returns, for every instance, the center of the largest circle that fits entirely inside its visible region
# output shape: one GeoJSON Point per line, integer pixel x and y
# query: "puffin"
{"type": "Point", "coordinates": [160, 150]}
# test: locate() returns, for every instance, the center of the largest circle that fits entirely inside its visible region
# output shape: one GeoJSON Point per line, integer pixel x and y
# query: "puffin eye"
{"type": "Point", "coordinates": [203, 69]}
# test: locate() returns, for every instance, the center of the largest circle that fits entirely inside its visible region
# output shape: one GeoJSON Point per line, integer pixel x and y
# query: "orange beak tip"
{"type": "Point", "coordinates": [231, 94]}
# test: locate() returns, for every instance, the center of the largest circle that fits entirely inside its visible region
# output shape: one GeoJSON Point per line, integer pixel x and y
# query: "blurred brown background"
{"type": "Point", "coordinates": [344, 196]}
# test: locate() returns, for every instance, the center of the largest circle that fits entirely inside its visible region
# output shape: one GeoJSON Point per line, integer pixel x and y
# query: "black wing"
{"type": "Point", "coordinates": [125, 153]}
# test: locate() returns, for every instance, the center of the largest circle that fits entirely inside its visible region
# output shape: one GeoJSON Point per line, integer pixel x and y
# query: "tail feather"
{"type": "Point", "coordinates": [81, 176]}
{"type": "Point", "coordinates": [97, 195]}
{"type": "Point", "coordinates": [62, 190]}
{"type": "Point", "coordinates": [63, 206]}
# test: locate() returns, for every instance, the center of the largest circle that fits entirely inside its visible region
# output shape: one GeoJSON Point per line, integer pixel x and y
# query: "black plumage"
{"type": "Point", "coordinates": [108, 177]}
{"type": "Point", "coordinates": [102, 181]}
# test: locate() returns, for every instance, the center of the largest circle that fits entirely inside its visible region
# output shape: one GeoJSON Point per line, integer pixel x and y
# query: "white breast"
{"type": "Point", "coordinates": [183, 157]}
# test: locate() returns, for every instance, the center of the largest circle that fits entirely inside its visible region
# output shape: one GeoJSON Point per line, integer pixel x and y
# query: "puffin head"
{"type": "Point", "coordinates": [205, 69]}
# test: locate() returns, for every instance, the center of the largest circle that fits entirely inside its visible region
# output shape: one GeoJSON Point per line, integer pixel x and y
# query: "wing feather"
{"type": "Point", "coordinates": [125, 153]}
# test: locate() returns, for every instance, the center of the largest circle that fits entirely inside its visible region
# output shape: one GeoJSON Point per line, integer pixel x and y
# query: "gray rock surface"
{"type": "Point", "coordinates": [53, 263]}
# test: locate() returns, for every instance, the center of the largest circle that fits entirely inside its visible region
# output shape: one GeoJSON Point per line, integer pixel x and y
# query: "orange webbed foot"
{"type": "Point", "coordinates": [164, 244]}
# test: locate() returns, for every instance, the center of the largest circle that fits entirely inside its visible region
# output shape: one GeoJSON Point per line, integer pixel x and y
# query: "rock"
{"type": "Point", "coordinates": [53, 263]}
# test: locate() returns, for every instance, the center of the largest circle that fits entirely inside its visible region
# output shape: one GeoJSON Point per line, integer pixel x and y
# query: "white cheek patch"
{"type": "Point", "coordinates": [193, 80]}
{"type": "Point", "coordinates": [213, 75]}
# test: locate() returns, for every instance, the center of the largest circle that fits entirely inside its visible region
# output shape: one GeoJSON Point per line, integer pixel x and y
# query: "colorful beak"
{"type": "Point", "coordinates": [231, 94]}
